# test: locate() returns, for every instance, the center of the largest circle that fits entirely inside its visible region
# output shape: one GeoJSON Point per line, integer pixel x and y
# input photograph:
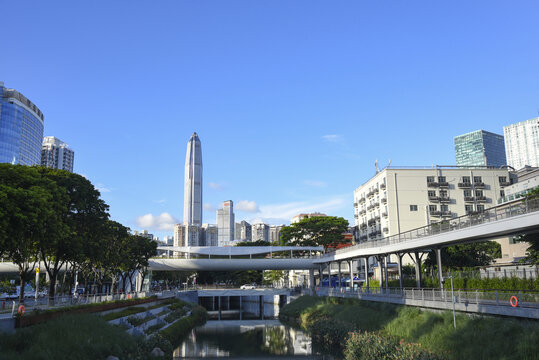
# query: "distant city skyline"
{"type": "Point", "coordinates": [294, 100]}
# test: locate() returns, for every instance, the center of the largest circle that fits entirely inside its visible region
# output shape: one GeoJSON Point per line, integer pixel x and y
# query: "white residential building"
{"type": "Point", "coordinates": [397, 200]}
{"type": "Point", "coordinates": [56, 154]}
{"type": "Point", "coordinates": [260, 232]}
{"type": "Point", "coordinates": [179, 235]}
{"type": "Point", "coordinates": [225, 222]}
{"type": "Point", "coordinates": [300, 217]}
{"type": "Point", "coordinates": [522, 143]}
{"type": "Point", "coordinates": [275, 233]}
{"type": "Point", "coordinates": [209, 235]}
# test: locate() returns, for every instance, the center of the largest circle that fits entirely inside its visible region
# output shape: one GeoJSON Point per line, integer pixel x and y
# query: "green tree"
{"type": "Point", "coordinates": [84, 213]}
{"type": "Point", "coordinates": [326, 231]}
{"type": "Point", "coordinates": [29, 212]}
{"type": "Point", "coordinates": [467, 255]}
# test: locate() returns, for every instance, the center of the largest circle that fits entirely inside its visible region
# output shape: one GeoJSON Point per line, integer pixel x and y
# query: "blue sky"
{"type": "Point", "coordinates": [293, 100]}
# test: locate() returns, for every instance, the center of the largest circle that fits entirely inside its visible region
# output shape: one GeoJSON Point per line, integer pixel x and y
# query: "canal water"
{"type": "Point", "coordinates": [249, 339]}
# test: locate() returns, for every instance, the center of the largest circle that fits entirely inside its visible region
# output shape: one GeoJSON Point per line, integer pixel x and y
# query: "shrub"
{"type": "Point", "coordinates": [373, 346]}
{"type": "Point", "coordinates": [180, 328]}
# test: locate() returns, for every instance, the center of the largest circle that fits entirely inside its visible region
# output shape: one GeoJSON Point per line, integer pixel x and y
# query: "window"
{"type": "Point", "coordinates": [466, 179]}
{"type": "Point", "coordinates": [467, 192]}
{"type": "Point", "coordinates": [468, 208]}
{"type": "Point", "coordinates": [432, 193]}
{"type": "Point", "coordinates": [430, 179]}
{"type": "Point", "coordinates": [502, 179]}
{"type": "Point", "coordinates": [478, 192]}
{"type": "Point", "coordinates": [480, 207]}
{"type": "Point", "coordinates": [444, 207]}
{"type": "Point", "coordinates": [502, 193]}
{"type": "Point", "coordinates": [432, 208]}
{"type": "Point", "coordinates": [477, 179]}
{"type": "Point", "coordinates": [413, 207]}
{"type": "Point", "coordinates": [443, 193]}
{"type": "Point", "coordinates": [441, 179]}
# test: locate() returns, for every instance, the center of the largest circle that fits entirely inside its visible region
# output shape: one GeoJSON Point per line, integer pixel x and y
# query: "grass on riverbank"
{"type": "Point", "coordinates": [475, 338]}
{"type": "Point", "coordinates": [79, 336]}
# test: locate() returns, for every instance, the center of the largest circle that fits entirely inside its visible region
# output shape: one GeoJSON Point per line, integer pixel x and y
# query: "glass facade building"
{"type": "Point", "coordinates": [21, 129]}
{"type": "Point", "coordinates": [480, 148]}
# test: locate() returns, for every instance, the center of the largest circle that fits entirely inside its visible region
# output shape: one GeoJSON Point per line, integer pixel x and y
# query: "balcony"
{"type": "Point", "coordinates": [383, 200]}
{"type": "Point", "coordinates": [385, 230]}
{"type": "Point", "coordinates": [445, 199]}
{"type": "Point", "coordinates": [465, 185]}
{"type": "Point", "coordinates": [469, 199]}
{"type": "Point", "coordinates": [481, 198]}
{"type": "Point", "coordinates": [362, 200]}
{"type": "Point", "coordinates": [384, 214]}
{"type": "Point", "coordinates": [436, 213]}
{"type": "Point", "coordinates": [370, 194]}
{"type": "Point", "coordinates": [443, 184]}
{"type": "Point", "coordinates": [355, 204]}
{"type": "Point", "coordinates": [446, 213]}
{"type": "Point", "coordinates": [376, 191]}
{"type": "Point", "coordinates": [363, 226]}
{"type": "Point", "coordinates": [434, 198]}
{"type": "Point", "coordinates": [377, 205]}
{"type": "Point", "coordinates": [363, 238]}
{"type": "Point", "coordinates": [433, 184]}
{"type": "Point", "coordinates": [504, 183]}
{"type": "Point", "coordinates": [371, 222]}
{"type": "Point", "coordinates": [479, 185]}
{"type": "Point", "coordinates": [362, 212]}
{"type": "Point", "coordinates": [383, 186]}
{"type": "Point", "coordinates": [356, 216]}
{"type": "Point", "coordinates": [370, 207]}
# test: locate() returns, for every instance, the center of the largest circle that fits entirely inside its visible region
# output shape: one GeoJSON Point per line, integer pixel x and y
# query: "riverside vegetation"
{"type": "Point", "coordinates": [387, 331]}
{"type": "Point", "coordinates": [90, 336]}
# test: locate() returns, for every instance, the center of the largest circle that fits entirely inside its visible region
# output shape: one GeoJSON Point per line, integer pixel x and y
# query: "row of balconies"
{"type": "Point", "coordinates": [475, 198]}
{"type": "Point", "coordinates": [468, 185]}
{"type": "Point", "coordinates": [443, 199]}
{"type": "Point", "coordinates": [443, 184]}
{"type": "Point", "coordinates": [440, 213]}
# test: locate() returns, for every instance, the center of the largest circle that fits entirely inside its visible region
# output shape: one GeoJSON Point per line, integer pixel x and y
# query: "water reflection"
{"type": "Point", "coordinates": [247, 338]}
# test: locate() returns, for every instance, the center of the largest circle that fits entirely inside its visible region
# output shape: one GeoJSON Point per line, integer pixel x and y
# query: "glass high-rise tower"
{"type": "Point", "coordinates": [21, 128]}
{"type": "Point", "coordinates": [480, 148]}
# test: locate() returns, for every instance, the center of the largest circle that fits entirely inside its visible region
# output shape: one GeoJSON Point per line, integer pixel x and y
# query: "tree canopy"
{"type": "Point", "coordinates": [326, 231]}
{"type": "Point", "coordinates": [467, 255]}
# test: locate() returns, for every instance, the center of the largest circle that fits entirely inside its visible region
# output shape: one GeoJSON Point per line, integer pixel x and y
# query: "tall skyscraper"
{"type": "Point", "coordinates": [225, 222]}
{"type": "Point", "coordinates": [21, 128]}
{"type": "Point", "coordinates": [480, 148]}
{"type": "Point", "coordinates": [522, 143]}
{"type": "Point", "coordinates": [192, 196]}
{"type": "Point", "coordinates": [56, 154]}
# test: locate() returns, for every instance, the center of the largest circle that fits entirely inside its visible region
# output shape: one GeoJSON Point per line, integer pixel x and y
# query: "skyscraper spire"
{"type": "Point", "coordinates": [192, 198]}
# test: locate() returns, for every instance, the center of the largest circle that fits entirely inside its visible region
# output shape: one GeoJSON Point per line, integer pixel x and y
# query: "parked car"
{"type": "Point", "coordinates": [248, 287]}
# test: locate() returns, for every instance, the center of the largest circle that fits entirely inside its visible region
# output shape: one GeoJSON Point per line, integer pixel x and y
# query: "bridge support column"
{"type": "Point", "coordinates": [386, 262]}
{"type": "Point", "coordinates": [417, 260]}
{"type": "Point", "coordinates": [340, 274]}
{"type": "Point", "coordinates": [219, 304]}
{"type": "Point", "coordinates": [320, 275]}
{"type": "Point", "coordinates": [399, 261]}
{"type": "Point", "coordinates": [439, 262]}
{"type": "Point", "coordinates": [351, 272]}
{"type": "Point", "coordinates": [241, 307]}
{"type": "Point", "coordinates": [329, 274]}
{"type": "Point", "coordinates": [366, 272]}
{"type": "Point", "coordinates": [311, 279]}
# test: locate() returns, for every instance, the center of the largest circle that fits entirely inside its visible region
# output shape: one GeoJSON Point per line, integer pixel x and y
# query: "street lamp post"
{"type": "Point", "coordinates": [453, 300]}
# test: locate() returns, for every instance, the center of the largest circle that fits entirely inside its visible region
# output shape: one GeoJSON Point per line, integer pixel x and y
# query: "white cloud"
{"type": "Point", "coordinates": [247, 206]}
{"type": "Point", "coordinates": [216, 186]}
{"type": "Point", "coordinates": [161, 201]}
{"type": "Point", "coordinates": [209, 207]}
{"type": "Point", "coordinates": [165, 221]}
{"type": "Point", "coordinates": [102, 188]}
{"type": "Point", "coordinates": [283, 213]}
{"type": "Point", "coordinates": [332, 138]}
{"type": "Point", "coordinates": [315, 183]}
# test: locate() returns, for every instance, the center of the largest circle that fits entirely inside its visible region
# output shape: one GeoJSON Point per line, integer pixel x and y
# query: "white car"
{"type": "Point", "coordinates": [248, 287]}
